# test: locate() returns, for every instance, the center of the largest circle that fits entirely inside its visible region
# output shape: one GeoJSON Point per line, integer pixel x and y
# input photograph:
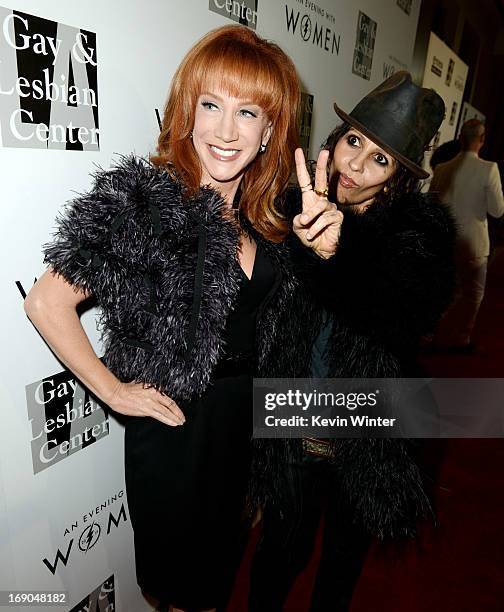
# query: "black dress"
{"type": "Point", "coordinates": [186, 484]}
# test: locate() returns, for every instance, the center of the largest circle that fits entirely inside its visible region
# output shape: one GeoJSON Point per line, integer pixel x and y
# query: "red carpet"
{"type": "Point", "coordinates": [458, 567]}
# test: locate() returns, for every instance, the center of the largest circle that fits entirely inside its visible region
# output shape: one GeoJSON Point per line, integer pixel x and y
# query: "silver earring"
{"type": "Point", "coordinates": [262, 148]}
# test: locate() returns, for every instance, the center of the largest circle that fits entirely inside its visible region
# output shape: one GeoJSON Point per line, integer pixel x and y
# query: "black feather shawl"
{"type": "Point", "coordinates": [388, 284]}
{"type": "Point", "coordinates": [163, 269]}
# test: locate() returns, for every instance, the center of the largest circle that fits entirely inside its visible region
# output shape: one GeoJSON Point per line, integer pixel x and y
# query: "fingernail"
{"type": "Point", "coordinates": [308, 236]}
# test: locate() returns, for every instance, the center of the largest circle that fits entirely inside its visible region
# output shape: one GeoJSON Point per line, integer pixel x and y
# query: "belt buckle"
{"type": "Point", "coordinates": [318, 448]}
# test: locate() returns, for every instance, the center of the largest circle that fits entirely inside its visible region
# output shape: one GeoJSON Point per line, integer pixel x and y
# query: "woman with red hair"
{"type": "Point", "coordinates": [184, 255]}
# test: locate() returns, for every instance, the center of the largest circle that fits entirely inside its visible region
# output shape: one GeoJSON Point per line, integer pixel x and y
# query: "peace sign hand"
{"type": "Point", "coordinates": [318, 226]}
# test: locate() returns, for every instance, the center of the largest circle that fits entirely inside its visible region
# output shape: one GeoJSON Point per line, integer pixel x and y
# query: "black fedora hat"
{"type": "Point", "coordinates": [400, 117]}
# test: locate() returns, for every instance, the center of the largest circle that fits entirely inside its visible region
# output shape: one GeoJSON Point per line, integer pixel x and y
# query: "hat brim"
{"type": "Point", "coordinates": [414, 168]}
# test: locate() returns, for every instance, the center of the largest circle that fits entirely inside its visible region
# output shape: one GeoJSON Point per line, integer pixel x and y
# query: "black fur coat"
{"type": "Point", "coordinates": [387, 285]}
{"type": "Point", "coordinates": [164, 271]}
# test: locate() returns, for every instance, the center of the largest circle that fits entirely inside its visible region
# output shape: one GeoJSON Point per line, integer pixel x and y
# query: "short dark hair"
{"type": "Point", "coordinates": [445, 152]}
{"type": "Point", "coordinates": [401, 181]}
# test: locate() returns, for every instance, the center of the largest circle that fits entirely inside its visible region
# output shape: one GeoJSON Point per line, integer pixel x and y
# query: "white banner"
{"type": "Point", "coordinates": [446, 73]}
{"type": "Point", "coordinates": [469, 112]}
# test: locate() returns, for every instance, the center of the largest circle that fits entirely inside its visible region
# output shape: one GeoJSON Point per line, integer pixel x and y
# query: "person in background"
{"type": "Point", "coordinates": [472, 188]}
{"type": "Point", "coordinates": [184, 255]}
{"type": "Point", "coordinates": [384, 276]}
{"type": "Point", "coordinates": [445, 152]}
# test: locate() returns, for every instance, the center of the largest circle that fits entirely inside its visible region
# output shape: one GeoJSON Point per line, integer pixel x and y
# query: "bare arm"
{"type": "Point", "coordinates": [51, 306]}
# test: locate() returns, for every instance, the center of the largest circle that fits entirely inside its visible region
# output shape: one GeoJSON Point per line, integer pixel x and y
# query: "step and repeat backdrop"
{"type": "Point", "coordinates": [80, 83]}
{"type": "Point", "coordinates": [447, 74]}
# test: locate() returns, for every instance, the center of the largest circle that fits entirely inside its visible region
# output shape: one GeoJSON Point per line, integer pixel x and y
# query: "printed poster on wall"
{"type": "Point", "coordinates": [446, 73]}
{"type": "Point", "coordinates": [48, 84]}
{"type": "Point", "coordinates": [469, 112]}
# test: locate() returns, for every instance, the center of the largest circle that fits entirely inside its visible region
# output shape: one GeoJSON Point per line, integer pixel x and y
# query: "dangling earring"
{"type": "Point", "coordinates": [262, 148]}
{"type": "Point", "coordinates": [385, 189]}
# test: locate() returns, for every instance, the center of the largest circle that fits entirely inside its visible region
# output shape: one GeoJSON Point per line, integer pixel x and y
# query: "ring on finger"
{"type": "Point", "coordinates": [322, 193]}
{"type": "Point", "coordinates": [307, 187]}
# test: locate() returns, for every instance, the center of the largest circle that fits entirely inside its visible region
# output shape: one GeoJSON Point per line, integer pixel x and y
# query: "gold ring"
{"type": "Point", "coordinates": [306, 188]}
{"type": "Point", "coordinates": [323, 193]}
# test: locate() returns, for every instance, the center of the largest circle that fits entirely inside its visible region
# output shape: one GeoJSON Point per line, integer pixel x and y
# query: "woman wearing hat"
{"type": "Point", "coordinates": [384, 275]}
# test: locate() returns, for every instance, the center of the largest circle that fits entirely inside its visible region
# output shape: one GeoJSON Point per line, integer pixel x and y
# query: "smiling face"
{"type": "Point", "coordinates": [227, 135]}
{"type": "Point", "coordinates": [361, 168]}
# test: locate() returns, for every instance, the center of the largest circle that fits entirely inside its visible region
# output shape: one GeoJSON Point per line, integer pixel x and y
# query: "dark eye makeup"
{"type": "Point", "coordinates": [381, 159]}
{"type": "Point", "coordinates": [354, 141]}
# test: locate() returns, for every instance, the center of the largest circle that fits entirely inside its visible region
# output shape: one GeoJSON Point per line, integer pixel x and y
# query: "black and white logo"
{"type": "Point", "coordinates": [64, 419]}
{"type": "Point", "coordinates": [314, 27]}
{"type": "Point", "coordinates": [392, 65]}
{"type": "Point", "coordinates": [48, 84]}
{"type": "Point", "coordinates": [405, 5]}
{"type": "Point", "coordinates": [89, 537]}
{"type": "Point", "coordinates": [102, 599]}
{"type": "Point", "coordinates": [83, 534]}
{"type": "Point", "coordinates": [305, 123]}
{"type": "Point", "coordinates": [449, 73]}
{"type": "Point", "coordinates": [306, 28]}
{"type": "Point", "coordinates": [244, 11]}
{"type": "Point", "coordinates": [364, 46]}
{"type": "Point", "coordinates": [453, 113]}
{"type": "Point", "coordinates": [459, 83]}
{"type": "Point", "coordinates": [437, 66]}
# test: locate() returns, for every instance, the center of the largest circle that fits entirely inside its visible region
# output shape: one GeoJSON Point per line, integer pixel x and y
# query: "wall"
{"type": "Point", "coordinates": [475, 32]}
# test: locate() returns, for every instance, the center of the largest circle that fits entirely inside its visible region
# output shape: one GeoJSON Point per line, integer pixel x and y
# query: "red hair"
{"type": "Point", "coordinates": [237, 61]}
